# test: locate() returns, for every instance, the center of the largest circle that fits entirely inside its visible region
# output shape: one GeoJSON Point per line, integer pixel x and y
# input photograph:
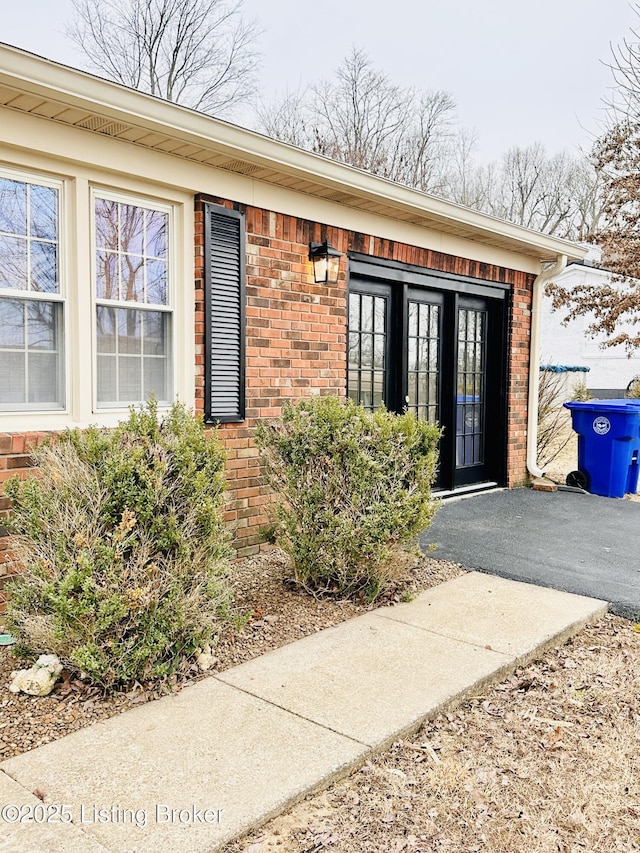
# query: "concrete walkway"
{"type": "Point", "coordinates": [192, 771]}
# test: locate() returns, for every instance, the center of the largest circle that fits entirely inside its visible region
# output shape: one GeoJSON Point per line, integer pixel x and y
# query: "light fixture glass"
{"type": "Point", "coordinates": [326, 262]}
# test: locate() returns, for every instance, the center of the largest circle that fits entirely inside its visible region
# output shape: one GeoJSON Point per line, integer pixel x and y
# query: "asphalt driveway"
{"type": "Point", "coordinates": [572, 542]}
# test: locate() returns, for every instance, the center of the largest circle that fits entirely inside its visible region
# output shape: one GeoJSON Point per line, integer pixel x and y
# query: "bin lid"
{"type": "Point", "coordinates": [615, 406]}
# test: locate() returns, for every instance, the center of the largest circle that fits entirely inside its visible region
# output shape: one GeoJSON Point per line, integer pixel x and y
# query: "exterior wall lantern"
{"type": "Point", "coordinates": [326, 262]}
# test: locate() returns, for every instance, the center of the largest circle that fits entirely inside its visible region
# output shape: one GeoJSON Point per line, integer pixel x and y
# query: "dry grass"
{"type": "Point", "coordinates": [549, 760]}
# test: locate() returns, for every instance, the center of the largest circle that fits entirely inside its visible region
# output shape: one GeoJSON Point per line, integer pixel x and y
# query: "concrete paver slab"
{"type": "Point", "coordinates": [210, 746]}
{"type": "Point", "coordinates": [192, 771]}
{"type": "Point", "coordinates": [369, 679]}
{"type": "Point", "coordinates": [28, 826]}
{"type": "Point", "coordinates": [496, 613]}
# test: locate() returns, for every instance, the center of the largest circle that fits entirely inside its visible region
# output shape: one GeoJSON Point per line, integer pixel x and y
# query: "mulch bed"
{"type": "Point", "coordinates": [280, 614]}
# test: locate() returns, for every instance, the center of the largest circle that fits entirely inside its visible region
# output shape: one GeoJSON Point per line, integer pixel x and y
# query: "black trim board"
{"type": "Point", "coordinates": [369, 267]}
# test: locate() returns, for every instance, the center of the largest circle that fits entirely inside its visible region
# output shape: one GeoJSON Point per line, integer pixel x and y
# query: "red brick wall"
{"type": "Point", "coordinates": [296, 339]}
{"type": "Point", "coordinates": [296, 345]}
{"type": "Point", "coordinates": [15, 459]}
{"type": "Point", "coordinates": [519, 343]}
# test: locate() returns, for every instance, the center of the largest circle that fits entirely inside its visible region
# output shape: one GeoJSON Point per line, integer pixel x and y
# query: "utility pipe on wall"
{"type": "Point", "coordinates": [534, 363]}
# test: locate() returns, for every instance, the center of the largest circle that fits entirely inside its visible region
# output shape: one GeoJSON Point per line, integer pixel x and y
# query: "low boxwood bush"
{"type": "Point", "coordinates": [123, 547]}
{"type": "Point", "coordinates": [352, 488]}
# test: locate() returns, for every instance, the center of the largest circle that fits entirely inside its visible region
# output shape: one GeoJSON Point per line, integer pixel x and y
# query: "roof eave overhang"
{"type": "Point", "coordinates": [35, 85]}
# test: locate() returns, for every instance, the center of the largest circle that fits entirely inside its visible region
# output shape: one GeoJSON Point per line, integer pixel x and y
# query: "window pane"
{"type": "Point", "coordinates": [156, 239]}
{"type": "Point", "coordinates": [106, 224]}
{"type": "Point", "coordinates": [133, 344]}
{"type": "Point", "coordinates": [154, 339]}
{"type": "Point", "coordinates": [132, 278]}
{"type": "Point", "coordinates": [44, 267]}
{"type": "Point", "coordinates": [107, 379]}
{"type": "Point", "coordinates": [131, 229]}
{"type": "Point", "coordinates": [11, 324]}
{"type": "Point", "coordinates": [157, 282]}
{"type": "Point", "coordinates": [130, 379]}
{"type": "Point", "coordinates": [44, 212]}
{"type": "Point", "coordinates": [106, 329]}
{"type": "Point", "coordinates": [31, 361]}
{"type": "Point", "coordinates": [41, 326]}
{"type": "Point", "coordinates": [13, 262]}
{"type": "Point", "coordinates": [43, 377]}
{"type": "Point", "coordinates": [13, 206]}
{"type": "Point", "coordinates": [107, 275]}
{"type": "Point", "coordinates": [12, 379]}
{"type": "Point", "coordinates": [129, 332]}
{"type": "Point", "coordinates": [155, 379]}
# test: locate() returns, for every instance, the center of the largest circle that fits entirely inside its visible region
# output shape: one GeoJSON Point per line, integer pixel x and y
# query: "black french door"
{"type": "Point", "coordinates": [439, 353]}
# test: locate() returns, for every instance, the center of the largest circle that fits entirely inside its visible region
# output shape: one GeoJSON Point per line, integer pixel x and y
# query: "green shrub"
{"type": "Point", "coordinates": [353, 488]}
{"type": "Point", "coordinates": [123, 547]}
{"type": "Point", "coordinates": [581, 393]}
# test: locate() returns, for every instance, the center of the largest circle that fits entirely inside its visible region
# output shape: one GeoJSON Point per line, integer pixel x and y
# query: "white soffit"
{"type": "Point", "coordinates": [43, 88]}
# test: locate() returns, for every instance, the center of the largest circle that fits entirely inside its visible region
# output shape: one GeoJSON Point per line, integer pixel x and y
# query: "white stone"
{"type": "Point", "coordinates": [206, 659]}
{"type": "Point", "coordinates": [40, 679]}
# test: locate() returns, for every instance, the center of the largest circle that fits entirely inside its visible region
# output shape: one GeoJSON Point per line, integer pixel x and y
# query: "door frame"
{"type": "Point", "coordinates": [401, 279]}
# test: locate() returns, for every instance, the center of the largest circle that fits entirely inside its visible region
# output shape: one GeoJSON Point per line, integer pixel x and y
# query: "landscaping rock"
{"type": "Point", "coordinates": [40, 679]}
{"type": "Point", "coordinates": [205, 659]}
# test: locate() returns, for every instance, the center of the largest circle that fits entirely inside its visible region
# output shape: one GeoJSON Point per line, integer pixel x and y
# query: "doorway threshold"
{"type": "Point", "coordinates": [468, 491]}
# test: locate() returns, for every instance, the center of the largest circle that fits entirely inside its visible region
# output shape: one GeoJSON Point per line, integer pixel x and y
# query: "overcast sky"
{"type": "Point", "coordinates": [519, 70]}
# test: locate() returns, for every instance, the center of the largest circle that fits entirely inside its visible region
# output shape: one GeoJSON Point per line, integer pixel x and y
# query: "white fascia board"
{"type": "Point", "coordinates": [50, 80]}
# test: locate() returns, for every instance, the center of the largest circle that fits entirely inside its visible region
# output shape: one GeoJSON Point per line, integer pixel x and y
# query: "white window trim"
{"type": "Point", "coordinates": [147, 203]}
{"type": "Point", "coordinates": [76, 255]}
{"type": "Point", "coordinates": [28, 412]}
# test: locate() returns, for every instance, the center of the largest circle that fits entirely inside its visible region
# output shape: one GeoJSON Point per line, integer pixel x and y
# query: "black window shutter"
{"type": "Point", "coordinates": [224, 273]}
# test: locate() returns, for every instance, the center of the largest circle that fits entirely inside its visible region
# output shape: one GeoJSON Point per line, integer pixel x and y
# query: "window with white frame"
{"type": "Point", "coordinates": [133, 302]}
{"type": "Point", "coordinates": [31, 295]}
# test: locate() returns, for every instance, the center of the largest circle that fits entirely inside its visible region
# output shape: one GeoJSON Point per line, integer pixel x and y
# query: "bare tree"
{"type": "Point", "coordinates": [558, 194]}
{"type": "Point", "coordinates": [199, 53]}
{"type": "Point", "coordinates": [362, 118]}
{"type": "Point", "coordinates": [613, 307]}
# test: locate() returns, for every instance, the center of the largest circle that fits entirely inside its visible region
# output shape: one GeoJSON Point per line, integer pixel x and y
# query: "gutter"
{"type": "Point", "coordinates": [534, 363]}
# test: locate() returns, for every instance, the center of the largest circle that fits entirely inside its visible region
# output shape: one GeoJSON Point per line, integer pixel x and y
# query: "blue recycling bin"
{"type": "Point", "coordinates": [608, 445]}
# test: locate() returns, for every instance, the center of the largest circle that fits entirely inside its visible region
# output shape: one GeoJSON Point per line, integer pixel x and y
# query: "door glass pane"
{"type": "Point", "coordinates": [472, 325]}
{"type": "Point", "coordinates": [423, 359]}
{"type": "Point", "coordinates": [366, 322]}
{"type": "Point", "coordinates": [367, 374]}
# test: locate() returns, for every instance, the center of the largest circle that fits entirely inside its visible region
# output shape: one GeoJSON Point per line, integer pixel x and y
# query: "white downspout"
{"type": "Point", "coordinates": [534, 363]}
